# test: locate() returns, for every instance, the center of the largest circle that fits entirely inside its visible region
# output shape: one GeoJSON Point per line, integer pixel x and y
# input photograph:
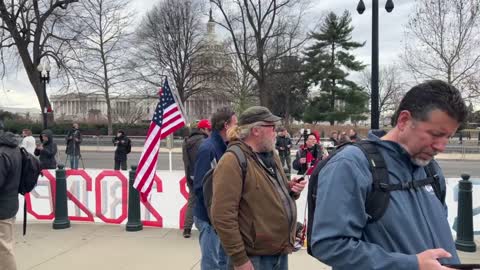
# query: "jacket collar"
{"type": "Point", "coordinates": [218, 140]}
{"type": "Point", "coordinates": [396, 150]}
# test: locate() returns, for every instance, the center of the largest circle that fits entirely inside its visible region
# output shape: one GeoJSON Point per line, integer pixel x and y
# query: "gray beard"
{"type": "Point", "coordinates": [420, 162]}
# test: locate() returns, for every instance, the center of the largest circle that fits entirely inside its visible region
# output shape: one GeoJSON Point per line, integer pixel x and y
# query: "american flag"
{"type": "Point", "coordinates": [166, 119]}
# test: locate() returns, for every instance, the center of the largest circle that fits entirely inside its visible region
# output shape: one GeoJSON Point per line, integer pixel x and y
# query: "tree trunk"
{"type": "Point", "coordinates": [262, 92]}
{"type": "Point", "coordinates": [109, 112]}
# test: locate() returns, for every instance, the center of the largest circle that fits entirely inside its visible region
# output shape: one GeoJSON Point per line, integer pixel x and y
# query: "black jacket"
{"type": "Point", "coordinates": [74, 139]}
{"type": "Point", "coordinates": [316, 152]}
{"type": "Point", "coordinates": [10, 172]}
{"type": "Point", "coordinates": [47, 154]}
{"type": "Point", "coordinates": [189, 153]}
{"type": "Point", "coordinates": [123, 145]}
{"type": "Point", "coordinates": [284, 142]}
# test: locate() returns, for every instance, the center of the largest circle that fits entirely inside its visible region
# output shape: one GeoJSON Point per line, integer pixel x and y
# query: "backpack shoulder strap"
{"type": "Point", "coordinates": [379, 198]}
{"type": "Point", "coordinates": [431, 172]}
{"type": "Point", "coordinates": [242, 160]}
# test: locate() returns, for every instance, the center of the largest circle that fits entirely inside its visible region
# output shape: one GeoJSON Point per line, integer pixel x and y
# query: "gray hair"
{"type": "Point", "coordinates": [242, 132]}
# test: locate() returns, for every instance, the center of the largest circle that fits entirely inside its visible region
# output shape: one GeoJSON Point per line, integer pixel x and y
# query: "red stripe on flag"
{"type": "Point", "coordinates": [147, 152]}
{"type": "Point", "coordinates": [171, 121]}
{"type": "Point", "coordinates": [151, 169]}
{"type": "Point", "coordinates": [173, 129]}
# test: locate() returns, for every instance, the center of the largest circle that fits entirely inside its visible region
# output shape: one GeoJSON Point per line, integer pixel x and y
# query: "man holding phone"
{"type": "Point", "coordinates": [253, 209]}
{"type": "Point", "coordinates": [413, 232]}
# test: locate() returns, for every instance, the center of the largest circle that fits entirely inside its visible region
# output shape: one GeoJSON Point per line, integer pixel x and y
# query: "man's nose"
{"type": "Point", "coordinates": [440, 145]}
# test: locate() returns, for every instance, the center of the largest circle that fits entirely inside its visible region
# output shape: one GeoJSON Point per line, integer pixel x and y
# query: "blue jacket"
{"type": "Point", "coordinates": [209, 152]}
{"type": "Point", "coordinates": [413, 222]}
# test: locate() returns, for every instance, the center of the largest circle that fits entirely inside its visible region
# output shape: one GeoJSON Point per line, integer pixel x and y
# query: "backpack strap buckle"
{"type": "Point", "coordinates": [384, 186]}
{"type": "Point", "coordinates": [407, 185]}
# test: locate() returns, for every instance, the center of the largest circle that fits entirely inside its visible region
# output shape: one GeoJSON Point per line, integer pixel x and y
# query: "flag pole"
{"type": "Point", "coordinates": [176, 96]}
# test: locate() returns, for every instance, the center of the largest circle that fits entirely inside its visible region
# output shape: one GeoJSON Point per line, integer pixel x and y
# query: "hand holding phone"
{"type": "Point", "coordinates": [300, 179]}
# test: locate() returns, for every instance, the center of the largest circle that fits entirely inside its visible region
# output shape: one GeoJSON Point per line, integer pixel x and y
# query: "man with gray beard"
{"type": "Point", "coordinates": [253, 209]}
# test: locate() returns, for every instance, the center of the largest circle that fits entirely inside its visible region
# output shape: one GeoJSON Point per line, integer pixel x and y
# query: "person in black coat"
{"type": "Point", "coordinates": [123, 146]}
{"type": "Point", "coordinates": [73, 140]}
{"type": "Point", "coordinates": [10, 174]}
{"type": "Point", "coordinates": [189, 154]}
{"type": "Point", "coordinates": [308, 155]}
{"type": "Point", "coordinates": [283, 146]}
{"type": "Point", "coordinates": [47, 150]}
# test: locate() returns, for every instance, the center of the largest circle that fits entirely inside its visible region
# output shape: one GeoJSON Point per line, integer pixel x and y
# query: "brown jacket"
{"type": "Point", "coordinates": [258, 218]}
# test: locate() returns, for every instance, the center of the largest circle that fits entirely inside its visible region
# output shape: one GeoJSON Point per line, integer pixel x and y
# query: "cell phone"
{"type": "Point", "coordinates": [462, 266]}
{"type": "Point", "coordinates": [299, 179]}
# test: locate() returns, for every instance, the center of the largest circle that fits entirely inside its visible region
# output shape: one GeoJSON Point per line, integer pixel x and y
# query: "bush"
{"type": "Point", "coordinates": [60, 128]}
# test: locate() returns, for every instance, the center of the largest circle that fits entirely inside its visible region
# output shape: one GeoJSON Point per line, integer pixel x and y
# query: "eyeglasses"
{"type": "Point", "coordinates": [270, 126]}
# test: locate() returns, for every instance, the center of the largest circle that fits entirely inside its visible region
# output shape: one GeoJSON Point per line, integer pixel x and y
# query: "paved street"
{"type": "Point", "coordinates": [102, 160]}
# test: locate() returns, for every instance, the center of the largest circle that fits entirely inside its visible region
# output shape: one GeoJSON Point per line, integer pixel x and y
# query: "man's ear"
{"type": "Point", "coordinates": [404, 119]}
{"type": "Point", "coordinates": [254, 131]}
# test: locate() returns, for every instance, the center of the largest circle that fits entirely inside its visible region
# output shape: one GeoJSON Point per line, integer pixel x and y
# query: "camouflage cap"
{"type": "Point", "coordinates": [257, 114]}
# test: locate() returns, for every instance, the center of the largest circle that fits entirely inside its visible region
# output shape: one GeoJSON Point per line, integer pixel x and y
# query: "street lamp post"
{"type": "Point", "coordinates": [374, 113]}
{"type": "Point", "coordinates": [44, 70]}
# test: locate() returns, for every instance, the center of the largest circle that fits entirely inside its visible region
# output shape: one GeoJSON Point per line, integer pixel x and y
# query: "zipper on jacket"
{"type": "Point", "coordinates": [284, 195]}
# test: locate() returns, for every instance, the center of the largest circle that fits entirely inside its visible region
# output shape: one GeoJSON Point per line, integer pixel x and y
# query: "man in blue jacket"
{"type": "Point", "coordinates": [414, 232]}
{"type": "Point", "coordinates": [209, 152]}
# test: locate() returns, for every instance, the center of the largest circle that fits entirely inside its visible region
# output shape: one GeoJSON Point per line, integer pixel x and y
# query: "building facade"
{"type": "Point", "coordinates": [85, 107]}
{"type": "Point", "coordinates": [213, 67]}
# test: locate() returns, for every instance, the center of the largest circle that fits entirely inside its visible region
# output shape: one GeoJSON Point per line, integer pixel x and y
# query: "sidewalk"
{"type": "Point", "coordinates": [89, 148]}
{"type": "Point", "coordinates": [110, 247]}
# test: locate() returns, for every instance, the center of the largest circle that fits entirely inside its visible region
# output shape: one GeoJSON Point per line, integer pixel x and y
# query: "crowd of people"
{"type": "Point", "coordinates": [47, 150]}
{"type": "Point", "coordinates": [251, 222]}
{"type": "Point", "coordinates": [247, 217]}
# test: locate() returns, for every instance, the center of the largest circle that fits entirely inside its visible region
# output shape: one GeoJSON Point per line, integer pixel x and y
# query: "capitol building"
{"type": "Point", "coordinates": [216, 66]}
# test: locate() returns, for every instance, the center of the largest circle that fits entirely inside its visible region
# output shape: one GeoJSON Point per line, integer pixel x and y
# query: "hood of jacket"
{"type": "Point", "coordinates": [394, 149]}
{"type": "Point", "coordinates": [49, 134]}
{"type": "Point", "coordinates": [8, 139]}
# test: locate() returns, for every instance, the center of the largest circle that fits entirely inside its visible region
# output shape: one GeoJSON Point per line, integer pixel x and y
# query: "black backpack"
{"type": "Point", "coordinates": [129, 146]}
{"type": "Point", "coordinates": [30, 172]}
{"type": "Point", "coordinates": [28, 180]}
{"type": "Point", "coordinates": [208, 178]}
{"type": "Point", "coordinates": [378, 199]}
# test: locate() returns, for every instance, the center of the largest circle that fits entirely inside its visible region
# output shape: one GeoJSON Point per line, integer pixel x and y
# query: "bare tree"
{"type": "Point", "coordinates": [239, 86]}
{"type": "Point", "coordinates": [100, 60]}
{"type": "Point", "coordinates": [169, 39]}
{"type": "Point", "coordinates": [442, 41]}
{"type": "Point", "coordinates": [262, 31]}
{"type": "Point", "coordinates": [32, 30]}
{"type": "Point", "coordinates": [389, 85]}
{"type": "Point", "coordinates": [130, 115]}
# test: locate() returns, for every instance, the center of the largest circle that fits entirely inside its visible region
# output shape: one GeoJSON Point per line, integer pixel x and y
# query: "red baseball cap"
{"type": "Point", "coordinates": [204, 123]}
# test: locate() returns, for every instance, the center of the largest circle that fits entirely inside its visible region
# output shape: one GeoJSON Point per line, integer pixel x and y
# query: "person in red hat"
{"type": "Point", "coordinates": [189, 151]}
{"type": "Point", "coordinates": [204, 126]}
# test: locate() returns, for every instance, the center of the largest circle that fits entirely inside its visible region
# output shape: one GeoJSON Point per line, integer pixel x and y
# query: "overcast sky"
{"type": "Point", "coordinates": [16, 90]}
